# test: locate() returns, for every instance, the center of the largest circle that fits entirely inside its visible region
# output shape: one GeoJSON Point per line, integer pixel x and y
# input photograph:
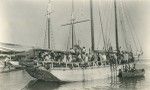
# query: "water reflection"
{"type": "Point", "coordinates": [131, 83]}
{"type": "Point", "coordinates": [41, 85]}
{"type": "Point", "coordinates": [105, 84]}
{"type": "Point", "coordinates": [20, 80]}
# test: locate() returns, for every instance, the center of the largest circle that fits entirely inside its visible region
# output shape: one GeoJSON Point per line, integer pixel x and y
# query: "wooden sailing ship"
{"type": "Point", "coordinates": [52, 70]}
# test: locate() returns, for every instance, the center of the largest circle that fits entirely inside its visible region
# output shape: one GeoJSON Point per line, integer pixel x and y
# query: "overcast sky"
{"type": "Point", "coordinates": [24, 21]}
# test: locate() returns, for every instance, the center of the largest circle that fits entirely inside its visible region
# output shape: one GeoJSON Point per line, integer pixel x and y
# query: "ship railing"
{"type": "Point", "coordinates": [75, 64]}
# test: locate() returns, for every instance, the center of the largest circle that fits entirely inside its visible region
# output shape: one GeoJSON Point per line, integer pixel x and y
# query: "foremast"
{"type": "Point", "coordinates": [92, 26]}
{"type": "Point", "coordinates": [116, 28]}
{"type": "Point", "coordinates": [49, 11]}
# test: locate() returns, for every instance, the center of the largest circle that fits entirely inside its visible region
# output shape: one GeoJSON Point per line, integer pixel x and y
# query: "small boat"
{"type": "Point", "coordinates": [131, 73]}
{"type": "Point", "coordinates": [10, 64]}
{"type": "Point", "coordinates": [15, 64]}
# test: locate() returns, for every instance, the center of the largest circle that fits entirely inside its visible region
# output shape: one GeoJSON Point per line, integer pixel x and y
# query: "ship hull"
{"type": "Point", "coordinates": [70, 75]}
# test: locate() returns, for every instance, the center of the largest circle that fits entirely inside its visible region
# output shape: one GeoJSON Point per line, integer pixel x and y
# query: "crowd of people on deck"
{"type": "Point", "coordinates": [75, 55]}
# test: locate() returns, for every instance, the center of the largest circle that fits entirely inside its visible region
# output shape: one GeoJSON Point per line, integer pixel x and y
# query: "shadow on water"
{"type": "Point", "coordinates": [130, 83]}
{"type": "Point", "coordinates": [111, 83]}
{"type": "Point", "coordinates": [105, 84]}
{"type": "Point", "coordinates": [42, 85]}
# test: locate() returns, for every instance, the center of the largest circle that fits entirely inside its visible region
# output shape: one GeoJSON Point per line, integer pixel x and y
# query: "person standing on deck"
{"type": "Point", "coordinates": [6, 62]}
{"type": "Point", "coordinates": [79, 57]}
{"type": "Point", "coordinates": [47, 57]}
{"type": "Point", "coordinates": [70, 57]}
{"type": "Point", "coordinates": [110, 49]}
{"type": "Point", "coordinates": [131, 57]}
{"type": "Point", "coordinates": [83, 57]}
{"type": "Point", "coordinates": [104, 59]}
{"type": "Point", "coordinates": [100, 58]}
{"type": "Point", "coordinates": [64, 58]}
{"type": "Point", "coordinates": [95, 57]}
{"type": "Point", "coordinates": [59, 58]}
{"type": "Point", "coordinates": [52, 55]}
{"type": "Point", "coordinates": [83, 50]}
{"type": "Point", "coordinates": [72, 50]}
{"type": "Point", "coordinates": [120, 57]}
{"type": "Point", "coordinates": [126, 57]}
{"type": "Point", "coordinates": [86, 58]}
{"type": "Point", "coordinates": [115, 58]}
{"type": "Point", "coordinates": [139, 53]}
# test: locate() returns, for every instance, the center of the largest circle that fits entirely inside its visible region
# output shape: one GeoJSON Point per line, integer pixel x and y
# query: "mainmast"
{"type": "Point", "coordinates": [92, 25]}
{"type": "Point", "coordinates": [48, 22]}
{"type": "Point", "coordinates": [116, 27]}
{"type": "Point", "coordinates": [72, 23]}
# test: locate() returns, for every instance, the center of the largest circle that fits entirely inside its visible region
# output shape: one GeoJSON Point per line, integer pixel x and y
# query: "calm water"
{"type": "Point", "coordinates": [20, 80]}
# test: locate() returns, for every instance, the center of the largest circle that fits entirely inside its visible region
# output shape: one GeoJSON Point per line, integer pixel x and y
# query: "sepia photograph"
{"type": "Point", "coordinates": [74, 44]}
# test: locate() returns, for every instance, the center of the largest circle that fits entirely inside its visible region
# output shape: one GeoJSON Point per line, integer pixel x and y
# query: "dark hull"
{"type": "Point", "coordinates": [41, 74]}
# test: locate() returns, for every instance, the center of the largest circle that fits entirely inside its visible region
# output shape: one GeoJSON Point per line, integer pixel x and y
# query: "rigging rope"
{"type": "Point", "coordinates": [133, 28]}
{"type": "Point", "coordinates": [107, 20]}
{"type": "Point", "coordinates": [69, 41]}
{"type": "Point", "coordinates": [44, 44]}
{"type": "Point", "coordinates": [109, 23]}
{"type": "Point", "coordinates": [125, 13]}
{"type": "Point", "coordinates": [101, 25]}
{"type": "Point", "coordinates": [124, 33]}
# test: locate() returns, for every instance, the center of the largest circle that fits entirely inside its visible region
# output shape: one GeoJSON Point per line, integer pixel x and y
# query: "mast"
{"type": "Point", "coordinates": [48, 28]}
{"type": "Point", "coordinates": [72, 23]}
{"type": "Point", "coordinates": [116, 28]}
{"type": "Point", "coordinates": [92, 25]}
{"type": "Point", "coordinates": [48, 22]}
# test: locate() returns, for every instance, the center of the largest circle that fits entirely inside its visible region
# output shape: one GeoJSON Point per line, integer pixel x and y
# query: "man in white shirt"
{"type": "Point", "coordinates": [70, 58]}
{"type": "Point", "coordinates": [126, 57]}
{"type": "Point", "coordinates": [104, 59]}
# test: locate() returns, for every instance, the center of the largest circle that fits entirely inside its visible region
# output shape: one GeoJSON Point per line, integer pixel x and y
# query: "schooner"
{"type": "Point", "coordinates": [79, 71]}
